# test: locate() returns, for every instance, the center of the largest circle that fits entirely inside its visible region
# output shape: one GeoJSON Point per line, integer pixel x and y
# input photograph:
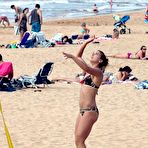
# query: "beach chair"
{"type": "Point", "coordinates": [25, 38]}
{"type": "Point", "coordinates": [122, 26]}
{"type": "Point", "coordinates": [40, 78]}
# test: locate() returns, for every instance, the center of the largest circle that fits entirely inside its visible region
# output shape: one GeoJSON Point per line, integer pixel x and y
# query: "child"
{"type": "Point", "coordinates": [3, 20]}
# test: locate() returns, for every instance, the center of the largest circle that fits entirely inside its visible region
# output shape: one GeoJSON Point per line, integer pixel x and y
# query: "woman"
{"type": "Point", "coordinates": [141, 54]}
{"type": "Point", "coordinates": [123, 74]}
{"type": "Point", "coordinates": [92, 80]}
{"type": "Point", "coordinates": [22, 23]}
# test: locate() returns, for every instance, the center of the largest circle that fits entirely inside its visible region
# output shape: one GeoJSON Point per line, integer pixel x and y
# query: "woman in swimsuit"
{"type": "Point", "coordinates": [141, 54]}
{"type": "Point", "coordinates": [92, 80]}
{"type": "Point", "coordinates": [22, 23]}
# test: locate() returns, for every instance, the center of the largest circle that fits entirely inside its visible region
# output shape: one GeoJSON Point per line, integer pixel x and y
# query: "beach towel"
{"type": "Point", "coordinates": [16, 30]}
{"type": "Point", "coordinates": [142, 85]}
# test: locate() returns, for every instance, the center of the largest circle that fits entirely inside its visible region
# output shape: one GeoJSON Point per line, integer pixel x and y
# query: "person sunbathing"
{"type": "Point", "coordinates": [115, 35]}
{"type": "Point", "coordinates": [60, 38]}
{"type": "Point", "coordinates": [141, 54]}
{"type": "Point", "coordinates": [123, 74]}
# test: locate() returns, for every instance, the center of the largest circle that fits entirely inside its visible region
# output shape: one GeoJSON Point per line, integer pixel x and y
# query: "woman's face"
{"type": "Point", "coordinates": [26, 11]}
{"type": "Point", "coordinates": [144, 49]}
{"type": "Point", "coordinates": [95, 57]}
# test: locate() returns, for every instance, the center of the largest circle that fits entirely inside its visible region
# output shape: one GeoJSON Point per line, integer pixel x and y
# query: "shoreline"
{"type": "Point", "coordinates": [78, 20]}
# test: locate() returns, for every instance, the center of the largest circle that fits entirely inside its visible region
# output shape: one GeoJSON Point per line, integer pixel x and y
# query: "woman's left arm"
{"type": "Point", "coordinates": [83, 65]}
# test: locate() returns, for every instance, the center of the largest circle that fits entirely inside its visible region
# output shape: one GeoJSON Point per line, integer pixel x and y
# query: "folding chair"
{"type": "Point", "coordinates": [40, 78]}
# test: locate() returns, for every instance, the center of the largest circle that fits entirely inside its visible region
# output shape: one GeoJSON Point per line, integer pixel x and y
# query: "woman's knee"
{"type": "Point", "coordinates": [79, 138]}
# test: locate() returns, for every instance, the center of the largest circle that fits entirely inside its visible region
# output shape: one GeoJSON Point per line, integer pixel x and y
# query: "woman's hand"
{"type": "Point", "coordinates": [90, 39]}
{"type": "Point", "coordinates": [67, 55]}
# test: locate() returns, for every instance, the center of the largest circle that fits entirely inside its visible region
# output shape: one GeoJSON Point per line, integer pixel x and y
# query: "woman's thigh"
{"type": "Point", "coordinates": [85, 123]}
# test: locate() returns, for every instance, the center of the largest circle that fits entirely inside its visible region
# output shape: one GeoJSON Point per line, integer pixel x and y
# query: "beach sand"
{"type": "Point", "coordinates": [46, 119]}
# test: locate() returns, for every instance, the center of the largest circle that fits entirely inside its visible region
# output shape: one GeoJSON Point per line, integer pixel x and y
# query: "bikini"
{"type": "Point", "coordinates": [93, 109]}
{"type": "Point", "coordinates": [88, 81]}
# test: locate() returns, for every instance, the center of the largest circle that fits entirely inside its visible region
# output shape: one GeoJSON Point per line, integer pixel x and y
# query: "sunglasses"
{"type": "Point", "coordinates": [144, 48]}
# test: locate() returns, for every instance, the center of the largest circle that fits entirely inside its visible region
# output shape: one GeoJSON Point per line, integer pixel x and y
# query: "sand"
{"type": "Point", "coordinates": [46, 119]}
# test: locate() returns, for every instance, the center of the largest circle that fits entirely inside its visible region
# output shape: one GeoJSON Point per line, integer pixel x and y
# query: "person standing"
{"type": "Point", "coordinates": [22, 23]}
{"type": "Point", "coordinates": [95, 9]}
{"type": "Point", "coordinates": [111, 5]}
{"type": "Point", "coordinates": [91, 82]}
{"type": "Point", "coordinates": [18, 11]}
{"type": "Point", "coordinates": [36, 18]}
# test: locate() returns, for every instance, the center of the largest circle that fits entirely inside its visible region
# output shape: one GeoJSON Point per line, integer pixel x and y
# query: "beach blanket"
{"type": "Point", "coordinates": [142, 85]}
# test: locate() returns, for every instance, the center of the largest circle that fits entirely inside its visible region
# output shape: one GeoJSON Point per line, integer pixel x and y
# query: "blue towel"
{"type": "Point", "coordinates": [142, 85]}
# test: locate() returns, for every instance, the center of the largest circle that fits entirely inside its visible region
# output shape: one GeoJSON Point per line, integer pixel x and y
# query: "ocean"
{"type": "Point", "coordinates": [58, 9]}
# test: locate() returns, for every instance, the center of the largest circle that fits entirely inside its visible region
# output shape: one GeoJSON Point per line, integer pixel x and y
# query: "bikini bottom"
{"type": "Point", "coordinates": [93, 109]}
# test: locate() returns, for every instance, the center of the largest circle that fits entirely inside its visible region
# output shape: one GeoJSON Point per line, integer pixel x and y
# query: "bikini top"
{"type": "Point", "coordinates": [88, 81]}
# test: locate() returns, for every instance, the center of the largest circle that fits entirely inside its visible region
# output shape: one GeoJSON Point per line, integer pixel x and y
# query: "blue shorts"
{"type": "Point", "coordinates": [36, 27]}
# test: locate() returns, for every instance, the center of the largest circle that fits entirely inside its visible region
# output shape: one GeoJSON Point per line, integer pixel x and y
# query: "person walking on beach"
{"type": "Point", "coordinates": [22, 23]}
{"type": "Point", "coordinates": [111, 5]}
{"type": "Point", "coordinates": [93, 77]}
{"type": "Point", "coordinates": [18, 11]}
{"type": "Point", "coordinates": [36, 18]}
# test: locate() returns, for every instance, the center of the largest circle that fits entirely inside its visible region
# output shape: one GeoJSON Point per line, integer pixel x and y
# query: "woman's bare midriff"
{"type": "Point", "coordinates": [87, 96]}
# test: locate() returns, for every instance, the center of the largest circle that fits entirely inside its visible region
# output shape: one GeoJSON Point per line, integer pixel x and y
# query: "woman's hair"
{"type": "Point", "coordinates": [116, 32]}
{"type": "Point", "coordinates": [25, 9]}
{"type": "Point", "coordinates": [142, 47]}
{"type": "Point", "coordinates": [65, 39]}
{"type": "Point", "coordinates": [126, 69]}
{"type": "Point", "coordinates": [1, 58]}
{"type": "Point", "coordinates": [83, 24]}
{"type": "Point", "coordinates": [104, 59]}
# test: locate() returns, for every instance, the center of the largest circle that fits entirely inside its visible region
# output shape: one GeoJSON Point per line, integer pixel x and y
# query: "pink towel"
{"type": "Point", "coordinates": [6, 69]}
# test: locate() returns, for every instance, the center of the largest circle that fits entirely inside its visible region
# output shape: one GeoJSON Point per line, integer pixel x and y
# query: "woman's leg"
{"type": "Point", "coordinates": [21, 35]}
{"type": "Point", "coordinates": [83, 127]}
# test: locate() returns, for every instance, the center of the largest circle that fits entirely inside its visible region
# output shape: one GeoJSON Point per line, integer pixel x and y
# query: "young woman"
{"type": "Point", "coordinates": [90, 84]}
{"type": "Point", "coordinates": [22, 23]}
{"type": "Point", "coordinates": [141, 54]}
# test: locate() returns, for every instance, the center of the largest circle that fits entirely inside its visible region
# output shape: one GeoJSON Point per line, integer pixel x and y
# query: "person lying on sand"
{"type": "Point", "coordinates": [115, 35]}
{"type": "Point", "coordinates": [123, 74]}
{"type": "Point", "coordinates": [141, 54]}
